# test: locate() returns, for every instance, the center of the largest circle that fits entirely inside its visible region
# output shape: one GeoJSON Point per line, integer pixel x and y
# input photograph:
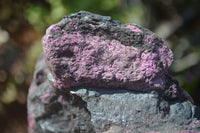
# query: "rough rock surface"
{"type": "Point", "coordinates": [98, 75]}
{"type": "Point", "coordinates": [50, 112]}
{"type": "Point", "coordinates": [89, 110]}
{"type": "Point", "coordinates": [90, 50]}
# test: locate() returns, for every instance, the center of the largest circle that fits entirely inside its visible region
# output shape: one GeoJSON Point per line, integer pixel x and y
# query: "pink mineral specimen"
{"type": "Point", "coordinates": [89, 50]}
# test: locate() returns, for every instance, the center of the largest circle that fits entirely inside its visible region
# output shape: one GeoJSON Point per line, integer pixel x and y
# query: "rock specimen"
{"type": "Point", "coordinates": [98, 75]}
{"type": "Point", "coordinates": [92, 110]}
{"type": "Point", "coordinates": [90, 50]}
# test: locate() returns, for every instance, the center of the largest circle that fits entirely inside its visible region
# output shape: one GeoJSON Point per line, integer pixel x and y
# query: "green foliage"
{"type": "Point", "coordinates": [42, 17]}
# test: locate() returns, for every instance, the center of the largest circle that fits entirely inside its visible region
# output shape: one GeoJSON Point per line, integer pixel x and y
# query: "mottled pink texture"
{"type": "Point", "coordinates": [134, 28]}
{"type": "Point", "coordinates": [93, 55]}
{"type": "Point", "coordinates": [44, 97]}
{"type": "Point", "coordinates": [98, 58]}
{"type": "Point", "coordinates": [149, 39]}
{"type": "Point", "coordinates": [195, 123]}
{"type": "Point", "coordinates": [31, 123]}
{"type": "Point", "coordinates": [99, 53]}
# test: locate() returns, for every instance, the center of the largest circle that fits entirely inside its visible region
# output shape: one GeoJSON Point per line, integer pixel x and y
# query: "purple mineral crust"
{"type": "Point", "coordinates": [89, 50]}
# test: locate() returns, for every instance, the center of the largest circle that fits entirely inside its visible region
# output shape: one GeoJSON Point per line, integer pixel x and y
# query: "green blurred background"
{"type": "Point", "coordinates": [23, 23]}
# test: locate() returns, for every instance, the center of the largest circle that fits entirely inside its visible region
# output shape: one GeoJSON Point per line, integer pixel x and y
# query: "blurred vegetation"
{"type": "Point", "coordinates": [23, 23]}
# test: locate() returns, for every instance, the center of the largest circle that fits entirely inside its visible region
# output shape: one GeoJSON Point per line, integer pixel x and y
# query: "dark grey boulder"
{"type": "Point", "coordinates": [50, 111]}
{"type": "Point", "coordinates": [88, 110]}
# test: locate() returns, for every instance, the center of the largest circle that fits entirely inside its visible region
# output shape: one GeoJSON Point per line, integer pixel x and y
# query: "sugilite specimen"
{"type": "Point", "coordinates": [89, 50]}
{"type": "Point", "coordinates": [97, 75]}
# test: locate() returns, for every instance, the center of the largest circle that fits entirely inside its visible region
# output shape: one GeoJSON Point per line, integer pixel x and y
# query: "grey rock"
{"type": "Point", "coordinates": [88, 110]}
{"type": "Point", "coordinates": [51, 112]}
